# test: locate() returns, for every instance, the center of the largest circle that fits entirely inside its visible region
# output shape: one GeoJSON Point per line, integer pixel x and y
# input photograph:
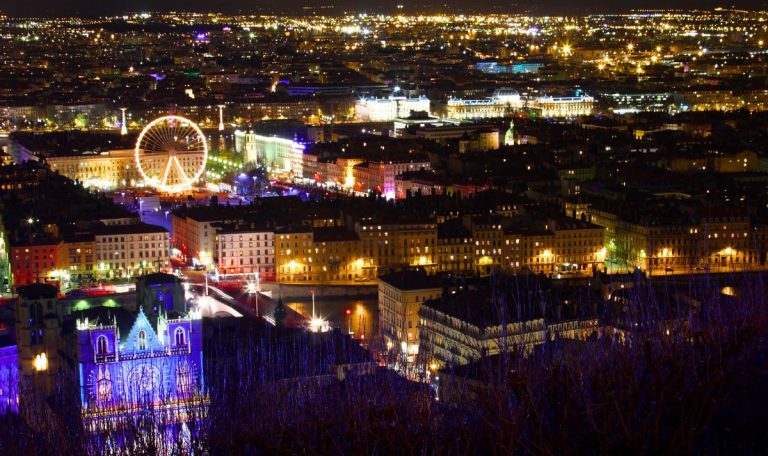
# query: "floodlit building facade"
{"type": "Point", "coordinates": [547, 106]}
{"type": "Point", "coordinates": [142, 358]}
{"type": "Point", "coordinates": [321, 254]}
{"type": "Point", "coordinates": [246, 250]}
{"type": "Point", "coordinates": [388, 109]}
{"type": "Point", "coordinates": [275, 154]}
{"type": "Point", "coordinates": [504, 101]}
{"type": "Point", "coordinates": [395, 243]}
{"type": "Point", "coordinates": [34, 262]}
{"type": "Point", "coordinates": [400, 298]}
{"type": "Point", "coordinates": [128, 250]}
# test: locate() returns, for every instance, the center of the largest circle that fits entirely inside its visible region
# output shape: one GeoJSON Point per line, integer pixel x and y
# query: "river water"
{"type": "Point", "coordinates": [359, 316]}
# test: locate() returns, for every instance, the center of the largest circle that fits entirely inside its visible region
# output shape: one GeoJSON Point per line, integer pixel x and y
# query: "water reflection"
{"type": "Point", "coordinates": [358, 316]}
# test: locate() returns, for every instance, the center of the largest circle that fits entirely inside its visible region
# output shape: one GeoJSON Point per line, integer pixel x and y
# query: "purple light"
{"type": "Point", "coordinates": [9, 378]}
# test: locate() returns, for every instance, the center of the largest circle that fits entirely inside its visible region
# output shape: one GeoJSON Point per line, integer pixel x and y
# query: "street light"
{"type": "Point", "coordinates": [41, 362]}
{"type": "Point", "coordinates": [253, 289]}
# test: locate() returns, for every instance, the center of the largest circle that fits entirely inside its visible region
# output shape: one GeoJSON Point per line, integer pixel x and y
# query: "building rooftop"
{"type": "Point", "coordinates": [136, 228]}
{"type": "Point", "coordinates": [38, 291]}
{"type": "Point", "coordinates": [512, 298]}
{"type": "Point", "coordinates": [411, 280]}
{"type": "Point", "coordinates": [159, 278]}
{"type": "Point", "coordinates": [334, 234]}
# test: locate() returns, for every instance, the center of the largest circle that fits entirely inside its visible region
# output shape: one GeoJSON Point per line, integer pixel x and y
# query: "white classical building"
{"type": "Point", "coordinates": [547, 106]}
{"type": "Point", "coordinates": [390, 108]}
{"type": "Point", "coordinates": [504, 100]}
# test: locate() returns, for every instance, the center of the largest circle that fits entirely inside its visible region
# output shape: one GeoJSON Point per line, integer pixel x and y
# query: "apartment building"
{"type": "Point", "coordinates": [246, 249]}
{"type": "Point", "coordinates": [321, 254]}
{"type": "Point", "coordinates": [400, 297]}
{"type": "Point", "coordinates": [129, 250]}
{"type": "Point", "coordinates": [399, 241]}
{"type": "Point", "coordinates": [35, 261]}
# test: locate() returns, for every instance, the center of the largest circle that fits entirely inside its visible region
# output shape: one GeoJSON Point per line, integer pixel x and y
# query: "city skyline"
{"type": "Point", "coordinates": [398, 233]}
{"type": "Point", "coordinates": [49, 8]}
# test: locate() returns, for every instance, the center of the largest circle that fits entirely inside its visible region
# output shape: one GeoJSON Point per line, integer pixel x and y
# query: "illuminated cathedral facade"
{"type": "Point", "coordinates": [137, 363]}
{"type": "Point", "coordinates": [158, 367]}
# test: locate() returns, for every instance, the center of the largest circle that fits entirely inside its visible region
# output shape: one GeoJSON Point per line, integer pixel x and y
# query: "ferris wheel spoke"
{"type": "Point", "coordinates": [166, 133]}
{"type": "Point", "coordinates": [188, 133]}
{"type": "Point", "coordinates": [198, 145]}
{"type": "Point", "coordinates": [178, 133]}
{"type": "Point", "coordinates": [165, 173]}
{"type": "Point", "coordinates": [161, 136]}
{"type": "Point", "coordinates": [156, 134]}
{"type": "Point", "coordinates": [181, 171]}
{"type": "Point", "coordinates": [179, 136]}
{"type": "Point", "coordinates": [153, 144]}
{"type": "Point", "coordinates": [163, 133]}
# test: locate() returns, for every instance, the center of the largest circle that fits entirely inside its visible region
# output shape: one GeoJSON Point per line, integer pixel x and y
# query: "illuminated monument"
{"type": "Point", "coordinates": [124, 372]}
{"type": "Point", "coordinates": [140, 361]}
{"type": "Point", "coordinates": [276, 155]}
{"type": "Point", "coordinates": [123, 124]}
{"type": "Point", "coordinates": [170, 153]}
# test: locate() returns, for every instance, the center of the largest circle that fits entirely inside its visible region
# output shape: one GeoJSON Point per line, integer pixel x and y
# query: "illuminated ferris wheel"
{"type": "Point", "coordinates": [170, 153]}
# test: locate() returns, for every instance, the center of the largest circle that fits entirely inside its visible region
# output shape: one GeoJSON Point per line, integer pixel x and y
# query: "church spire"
{"type": "Point", "coordinates": [509, 137]}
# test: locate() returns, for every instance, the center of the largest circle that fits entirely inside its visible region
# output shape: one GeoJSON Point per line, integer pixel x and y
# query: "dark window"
{"type": "Point", "coordinates": [101, 345]}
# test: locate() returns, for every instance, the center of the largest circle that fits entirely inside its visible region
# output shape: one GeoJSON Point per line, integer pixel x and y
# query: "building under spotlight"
{"type": "Point", "coordinates": [390, 108]}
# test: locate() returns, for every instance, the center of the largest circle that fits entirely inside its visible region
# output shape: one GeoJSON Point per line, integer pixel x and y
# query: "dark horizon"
{"type": "Point", "coordinates": [85, 8]}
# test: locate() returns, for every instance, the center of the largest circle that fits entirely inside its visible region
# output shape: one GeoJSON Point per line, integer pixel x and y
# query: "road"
{"type": "Point", "coordinates": [249, 305]}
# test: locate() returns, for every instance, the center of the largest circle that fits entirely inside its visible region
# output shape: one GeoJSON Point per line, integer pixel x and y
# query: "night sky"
{"type": "Point", "coordinates": [102, 7]}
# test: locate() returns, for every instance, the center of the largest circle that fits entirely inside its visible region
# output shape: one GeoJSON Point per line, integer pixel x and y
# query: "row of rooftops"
{"type": "Point", "coordinates": [450, 229]}
{"type": "Point", "coordinates": [488, 301]}
{"type": "Point", "coordinates": [98, 229]}
{"type": "Point", "coordinates": [485, 302]}
{"type": "Point", "coordinates": [483, 212]}
{"type": "Point", "coordinates": [657, 211]}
